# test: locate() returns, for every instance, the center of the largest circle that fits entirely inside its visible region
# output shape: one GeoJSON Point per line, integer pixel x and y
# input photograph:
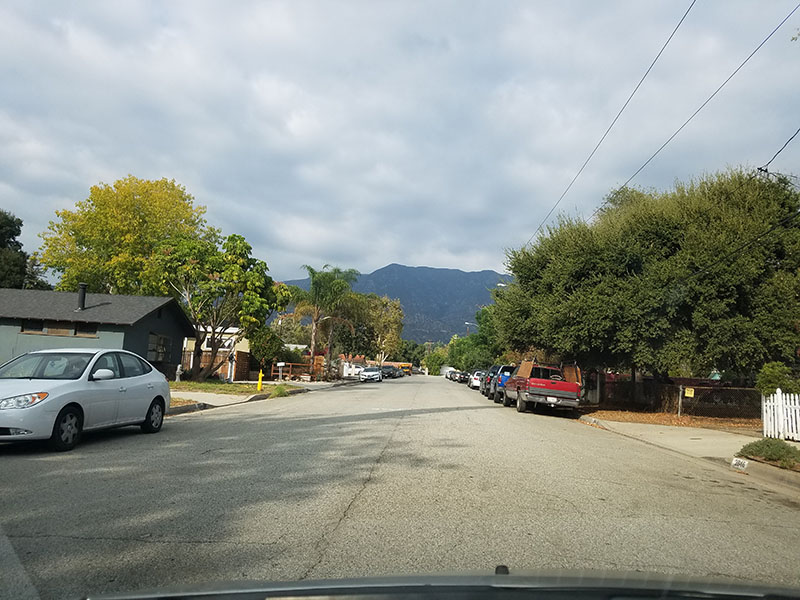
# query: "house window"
{"type": "Point", "coordinates": [58, 327]}
{"type": "Point", "coordinates": [158, 348]}
{"type": "Point", "coordinates": [32, 326]}
{"type": "Point", "coordinates": [86, 329]}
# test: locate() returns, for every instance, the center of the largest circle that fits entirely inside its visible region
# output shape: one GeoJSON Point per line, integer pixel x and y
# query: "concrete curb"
{"type": "Point", "coordinates": [186, 408]}
{"type": "Point", "coordinates": [255, 397]}
{"type": "Point", "coordinates": [760, 472]}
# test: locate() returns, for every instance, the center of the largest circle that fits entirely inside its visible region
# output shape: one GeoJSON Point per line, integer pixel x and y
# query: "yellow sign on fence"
{"type": "Point", "coordinates": [689, 392]}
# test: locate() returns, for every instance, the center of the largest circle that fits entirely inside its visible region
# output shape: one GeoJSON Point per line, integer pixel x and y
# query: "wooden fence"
{"type": "Point", "coordinates": [781, 415]}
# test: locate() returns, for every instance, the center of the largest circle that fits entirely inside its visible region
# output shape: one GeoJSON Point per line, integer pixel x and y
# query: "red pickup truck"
{"type": "Point", "coordinates": [531, 384]}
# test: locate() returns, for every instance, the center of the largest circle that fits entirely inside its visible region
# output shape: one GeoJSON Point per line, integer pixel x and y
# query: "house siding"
{"type": "Point", "coordinates": [13, 342]}
{"type": "Point", "coordinates": [168, 324]}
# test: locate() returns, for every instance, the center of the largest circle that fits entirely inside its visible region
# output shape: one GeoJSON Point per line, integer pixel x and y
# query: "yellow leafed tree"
{"type": "Point", "coordinates": [108, 240]}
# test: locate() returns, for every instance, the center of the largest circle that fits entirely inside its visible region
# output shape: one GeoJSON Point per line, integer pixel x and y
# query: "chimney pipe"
{"type": "Point", "coordinates": [82, 296]}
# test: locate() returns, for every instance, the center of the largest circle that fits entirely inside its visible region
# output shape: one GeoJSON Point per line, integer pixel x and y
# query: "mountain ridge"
{"type": "Point", "coordinates": [436, 301]}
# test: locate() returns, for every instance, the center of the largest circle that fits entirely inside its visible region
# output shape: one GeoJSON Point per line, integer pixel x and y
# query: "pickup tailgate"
{"type": "Point", "coordinates": [556, 389]}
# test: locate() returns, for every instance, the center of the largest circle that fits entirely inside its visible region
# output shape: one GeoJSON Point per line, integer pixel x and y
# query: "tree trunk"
{"type": "Point", "coordinates": [211, 366]}
{"type": "Point", "coordinates": [330, 356]}
{"type": "Point", "coordinates": [314, 321]}
{"type": "Point", "coordinates": [197, 355]}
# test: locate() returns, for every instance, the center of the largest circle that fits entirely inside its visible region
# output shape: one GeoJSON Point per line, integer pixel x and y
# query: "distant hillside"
{"type": "Point", "coordinates": [436, 302]}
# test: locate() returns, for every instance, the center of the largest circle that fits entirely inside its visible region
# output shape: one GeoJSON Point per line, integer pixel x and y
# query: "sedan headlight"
{"type": "Point", "coordinates": [22, 401]}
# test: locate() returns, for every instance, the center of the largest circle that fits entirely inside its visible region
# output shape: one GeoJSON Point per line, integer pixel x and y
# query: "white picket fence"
{"type": "Point", "coordinates": [780, 413]}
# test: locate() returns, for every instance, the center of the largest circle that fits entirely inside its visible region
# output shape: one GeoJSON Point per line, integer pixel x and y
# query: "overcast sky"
{"type": "Point", "coordinates": [364, 133]}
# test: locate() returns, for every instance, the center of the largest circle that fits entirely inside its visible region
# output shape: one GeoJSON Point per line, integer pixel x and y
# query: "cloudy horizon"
{"type": "Point", "coordinates": [367, 133]}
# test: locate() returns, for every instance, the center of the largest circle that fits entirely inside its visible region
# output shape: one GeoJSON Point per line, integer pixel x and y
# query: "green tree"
{"type": "Point", "coordinates": [291, 329]}
{"type": "Point", "coordinates": [328, 288]}
{"type": "Point", "coordinates": [110, 239]}
{"type": "Point", "coordinates": [653, 282]}
{"type": "Point", "coordinates": [265, 344]}
{"type": "Point", "coordinates": [13, 261]}
{"type": "Point", "coordinates": [411, 352]}
{"type": "Point", "coordinates": [386, 322]}
{"type": "Point", "coordinates": [435, 360]}
{"type": "Point", "coordinates": [220, 286]}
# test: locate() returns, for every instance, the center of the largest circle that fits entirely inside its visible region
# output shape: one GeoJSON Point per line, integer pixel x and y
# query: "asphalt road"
{"type": "Point", "coordinates": [417, 475]}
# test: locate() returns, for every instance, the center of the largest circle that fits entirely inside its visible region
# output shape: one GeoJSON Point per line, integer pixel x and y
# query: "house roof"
{"type": "Point", "coordinates": [109, 309]}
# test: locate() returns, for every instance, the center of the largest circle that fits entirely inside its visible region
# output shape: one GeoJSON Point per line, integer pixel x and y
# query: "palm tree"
{"type": "Point", "coordinates": [326, 292]}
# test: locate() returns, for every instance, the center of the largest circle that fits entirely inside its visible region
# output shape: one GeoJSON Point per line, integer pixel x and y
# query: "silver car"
{"type": "Point", "coordinates": [58, 394]}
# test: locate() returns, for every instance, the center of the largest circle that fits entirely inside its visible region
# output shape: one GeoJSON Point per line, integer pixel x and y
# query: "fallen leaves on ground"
{"type": "Point", "coordinates": [674, 420]}
{"type": "Point", "coordinates": [173, 401]}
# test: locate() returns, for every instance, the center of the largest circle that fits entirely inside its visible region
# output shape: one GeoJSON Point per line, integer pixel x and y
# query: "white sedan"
{"type": "Point", "coordinates": [371, 374]}
{"type": "Point", "coordinates": [58, 394]}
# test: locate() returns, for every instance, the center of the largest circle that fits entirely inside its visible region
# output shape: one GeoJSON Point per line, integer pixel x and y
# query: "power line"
{"type": "Point", "coordinates": [744, 246]}
{"type": "Point", "coordinates": [782, 149]}
{"type": "Point", "coordinates": [603, 137]}
{"type": "Point", "coordinates": [701, 107]}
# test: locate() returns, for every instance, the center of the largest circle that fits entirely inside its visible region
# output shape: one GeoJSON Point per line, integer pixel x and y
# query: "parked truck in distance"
{"type": "Point", "coordinates": [532, 384]}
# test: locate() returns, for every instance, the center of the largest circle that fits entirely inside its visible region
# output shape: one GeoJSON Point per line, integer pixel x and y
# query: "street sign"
{"type": "Point", "coordinates": [281, 364]}
{"type": "Point", "coordinates": [689, 392]}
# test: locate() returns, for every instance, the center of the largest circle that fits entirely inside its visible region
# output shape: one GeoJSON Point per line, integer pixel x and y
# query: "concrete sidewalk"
{"type": "Point", "coordinates": [716, 446]}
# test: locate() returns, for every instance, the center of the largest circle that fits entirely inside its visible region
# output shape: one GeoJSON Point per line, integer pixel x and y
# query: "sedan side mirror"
{"type": "Point", "coordinates": [102, 375]}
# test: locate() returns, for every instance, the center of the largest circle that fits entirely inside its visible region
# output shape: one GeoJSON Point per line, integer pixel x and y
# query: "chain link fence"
{"type": "Point", "coordinates": [701, 401]}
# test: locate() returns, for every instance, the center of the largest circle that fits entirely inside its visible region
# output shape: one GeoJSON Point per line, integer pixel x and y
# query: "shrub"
{"type": "Point", "coordinates": [775, 375]}
{"type": "Point", "coordinates": [788, 457]}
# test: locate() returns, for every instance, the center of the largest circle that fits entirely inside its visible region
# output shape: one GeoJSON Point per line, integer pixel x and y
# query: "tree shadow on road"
{"type": "Point", "coordinates": [218, 495]}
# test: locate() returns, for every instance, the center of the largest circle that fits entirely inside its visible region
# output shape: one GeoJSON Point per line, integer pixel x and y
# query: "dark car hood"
{"type": "Point", "coordinates": [545, 585]}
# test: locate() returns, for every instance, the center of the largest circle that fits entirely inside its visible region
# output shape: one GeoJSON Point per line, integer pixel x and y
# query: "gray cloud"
{"type": "Point", "coordinates": [365, 133]}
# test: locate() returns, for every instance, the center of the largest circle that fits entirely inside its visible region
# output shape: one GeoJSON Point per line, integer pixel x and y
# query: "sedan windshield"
{"type": "Point", "coordinates": [49, 365]}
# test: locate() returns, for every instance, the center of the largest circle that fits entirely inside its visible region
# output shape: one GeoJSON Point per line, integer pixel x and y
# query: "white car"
{"type": "Point", "coordinates": [371, 374]}
{"type": "Point", "coordinates": [58, 394]}
{"type": "Point", "coordinates": [475, 380]}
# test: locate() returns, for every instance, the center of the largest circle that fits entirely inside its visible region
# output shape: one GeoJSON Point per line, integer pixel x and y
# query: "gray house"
{"type": "Point", "coordinates": [39, 319]}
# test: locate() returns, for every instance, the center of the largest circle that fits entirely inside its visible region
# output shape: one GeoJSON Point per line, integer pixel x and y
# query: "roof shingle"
{"type": "Point", "coordinates": [63, 306]}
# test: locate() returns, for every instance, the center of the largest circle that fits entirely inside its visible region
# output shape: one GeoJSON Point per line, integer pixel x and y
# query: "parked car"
{"type": "Point", "coordinates": [371, 374]}
{"type": "Point", "coordinates": [449, 374]}
{"type": "Point", "coordinates": [57, 395]}
{"type": "Point", "coordinates": [475, 379]}
{"type": "Point", "coordinates": [463, 377]}
{"type": "Point", "coordinates": [487, 379]}
{"type": "Point", "coordinates": [498, 381]}
{"type": "Point", "coordinates": [531, 384]}
{"type": "Point", "coordinates": [389, 371]}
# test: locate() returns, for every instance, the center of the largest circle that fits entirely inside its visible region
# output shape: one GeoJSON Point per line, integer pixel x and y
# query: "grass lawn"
{"type": "Point", "coordinates": [216, 387]}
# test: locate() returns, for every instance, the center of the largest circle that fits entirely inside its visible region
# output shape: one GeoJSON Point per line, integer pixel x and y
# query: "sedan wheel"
{"type": "Point", "coordinates": [155, 418]}
{"type": "Point", "coordinates": [66, 429]}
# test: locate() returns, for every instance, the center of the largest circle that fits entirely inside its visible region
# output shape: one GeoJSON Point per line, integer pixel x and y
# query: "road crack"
{"type": "Point", "coordinates": [323, 543]}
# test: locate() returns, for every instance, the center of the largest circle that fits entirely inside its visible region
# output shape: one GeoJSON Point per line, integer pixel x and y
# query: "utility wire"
{"type": "Point", "coordinates": [603, 137]}
{"type": "Point", "coordinates": [782, 149]}
{"type": "Point", "coordinates": [701, 107]}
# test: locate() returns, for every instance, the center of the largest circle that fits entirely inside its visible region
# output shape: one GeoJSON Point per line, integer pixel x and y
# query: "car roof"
{"type": "Point", "coordinates": [67, 351]}
{"type": "Point", "coordinates": [77, 350]}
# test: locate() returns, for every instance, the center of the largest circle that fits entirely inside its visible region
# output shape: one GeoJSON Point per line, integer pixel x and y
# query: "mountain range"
{"type": "Point", "coordinates": [437, 303]}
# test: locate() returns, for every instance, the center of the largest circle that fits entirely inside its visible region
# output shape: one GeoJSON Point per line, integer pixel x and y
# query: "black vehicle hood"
{"type": "Point", "coordinates": [545, 585]}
